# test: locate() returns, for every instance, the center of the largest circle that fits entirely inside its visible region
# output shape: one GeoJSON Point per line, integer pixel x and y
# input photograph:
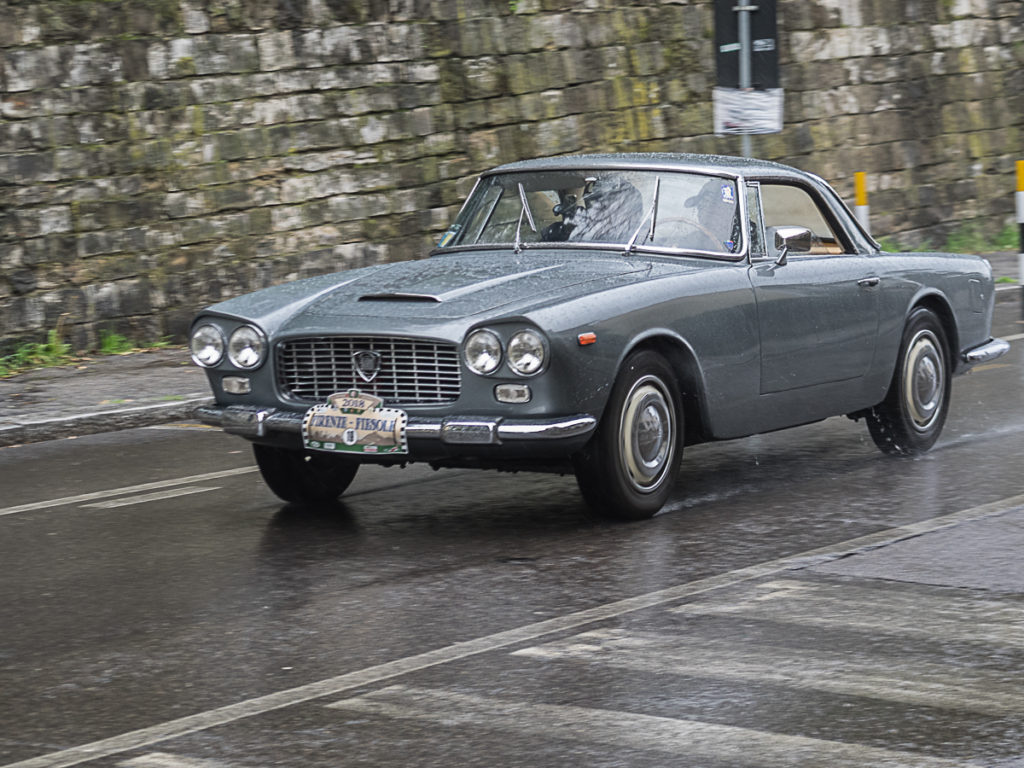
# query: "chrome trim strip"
{"type": "Point", "coordinates": [551, 429]}
{"type": "Point", "coordinates": [990, 350]}
{"type": "Point", "coordinates": [253, 421]}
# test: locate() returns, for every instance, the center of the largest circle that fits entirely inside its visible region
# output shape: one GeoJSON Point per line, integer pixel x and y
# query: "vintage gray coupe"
{"type": "Point", "coordinates": [594, 314]}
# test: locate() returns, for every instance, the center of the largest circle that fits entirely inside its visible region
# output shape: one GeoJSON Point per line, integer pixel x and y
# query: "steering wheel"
{"type": "Point", "coordinates": [719, 244]}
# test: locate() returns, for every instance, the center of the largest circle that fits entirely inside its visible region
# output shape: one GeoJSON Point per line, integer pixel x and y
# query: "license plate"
{"type": "Point", "coordinates": [351, 422]}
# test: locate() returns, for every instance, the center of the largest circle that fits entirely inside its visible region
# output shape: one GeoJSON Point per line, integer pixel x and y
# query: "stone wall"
{"type": "Point", "coordinates": [158, 155]}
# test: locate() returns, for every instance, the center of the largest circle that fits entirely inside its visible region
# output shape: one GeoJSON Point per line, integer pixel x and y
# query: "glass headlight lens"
{"type": "Point", "coordinates": [482, 352]}
{"type": "Point", "coordinates": [526, 352]}
{"type": "Point", "coordinates": [207, 345]}
{"type": "Point", "coordinates": [246, 347]}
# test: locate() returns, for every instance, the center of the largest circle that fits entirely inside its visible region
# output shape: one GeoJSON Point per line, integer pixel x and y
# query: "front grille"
{"type": "Point", "coordinates": [412, 372]}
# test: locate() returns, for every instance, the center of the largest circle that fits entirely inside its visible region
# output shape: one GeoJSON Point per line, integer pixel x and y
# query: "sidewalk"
{"type": "Point", "coordinates": [107, 393]}
{"type": "Point", "coordinates": [111, 392]}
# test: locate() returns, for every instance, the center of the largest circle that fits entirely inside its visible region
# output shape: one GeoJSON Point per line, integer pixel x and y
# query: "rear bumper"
{"type": "Point", "coordinates": [983, 353]}
{"type": "Point", "coordinates": [257, 423]}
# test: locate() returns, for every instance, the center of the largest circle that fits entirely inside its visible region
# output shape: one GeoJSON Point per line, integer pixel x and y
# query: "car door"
{"type": "Point", "coordinates": [818, 311]}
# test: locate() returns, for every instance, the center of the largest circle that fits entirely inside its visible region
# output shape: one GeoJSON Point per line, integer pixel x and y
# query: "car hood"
{"type": "Point", "coordinates": [464, 285]}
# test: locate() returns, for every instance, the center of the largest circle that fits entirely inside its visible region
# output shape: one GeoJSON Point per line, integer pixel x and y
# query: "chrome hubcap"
{"type": "Point", "coordinates": [924, 385]}
{"type": "Point", "coordinates": [647, 434]}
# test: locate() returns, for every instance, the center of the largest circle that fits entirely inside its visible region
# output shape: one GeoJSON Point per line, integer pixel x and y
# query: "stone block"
{"type": "Point", "coordinates": [646, 59]}
{"type": "Point", "coordinates": [194, 18]}
{"type": "Point", "coordinates": [484, 77]}
{"type": "Point", "coordinates": [27, 69]}
{"type": "Point", "coordinates": [555, 31]}
{"type": "Point", "coordinates": [35, 222]}
{"type": "Point", "coordinates": [93, 64]}
{"type": "Point", "coordinates": [276, 50]}
{"type": "Point", "coordinates": [222, 54]}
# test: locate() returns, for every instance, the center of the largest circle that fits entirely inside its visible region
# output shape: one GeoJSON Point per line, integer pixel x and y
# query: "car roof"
{"type": "Point", "coordinates": [714, 164]}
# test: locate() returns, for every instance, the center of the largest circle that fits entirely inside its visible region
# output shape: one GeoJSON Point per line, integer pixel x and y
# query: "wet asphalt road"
{"type": "Point", "coordinates": [160, 608]}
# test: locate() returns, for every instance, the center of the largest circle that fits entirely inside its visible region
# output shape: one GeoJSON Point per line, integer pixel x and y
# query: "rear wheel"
{"type": "Point", "coordinates": [627, 471]}
{"type": "Point", "coordinates": [911, 417]}
{"type": "Point", "coordinates": [304, 478]}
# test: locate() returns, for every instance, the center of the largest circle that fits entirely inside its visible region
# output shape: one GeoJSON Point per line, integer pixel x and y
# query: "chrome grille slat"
{"type": "Point", "coordinates": [413, 371]}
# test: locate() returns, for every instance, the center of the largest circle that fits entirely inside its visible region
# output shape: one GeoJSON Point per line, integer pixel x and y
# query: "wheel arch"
{"type": "Point", "coordinates": [938, 305]}
{"type": "Point", "coordinates": [689, 376]}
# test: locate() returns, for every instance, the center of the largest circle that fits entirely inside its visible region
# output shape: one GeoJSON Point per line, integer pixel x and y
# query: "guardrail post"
{"type": "Point", "coordinates": [863, 210]}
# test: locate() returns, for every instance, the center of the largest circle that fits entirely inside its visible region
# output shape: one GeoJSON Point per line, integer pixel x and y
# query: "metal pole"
{"type": "Point", "coordinates": [744, 12]}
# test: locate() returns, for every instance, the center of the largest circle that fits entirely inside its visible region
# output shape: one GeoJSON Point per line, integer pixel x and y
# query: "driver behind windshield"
{"type": "Point", "coordinates": [609, 211]}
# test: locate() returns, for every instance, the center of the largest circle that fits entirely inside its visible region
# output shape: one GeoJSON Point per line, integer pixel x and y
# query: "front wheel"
{"type": "Point", "coordinates": [628, 469]}
{"type": "Point", "coordinates": [909, 420]}
{"type": "Point", "coordinates": [304, 478]}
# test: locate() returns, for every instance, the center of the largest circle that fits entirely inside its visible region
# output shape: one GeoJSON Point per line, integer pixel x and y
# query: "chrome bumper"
{"type": "Point", "coordinates": [983, 353]}
{"type": "Point", "coordinates": [255, 422]}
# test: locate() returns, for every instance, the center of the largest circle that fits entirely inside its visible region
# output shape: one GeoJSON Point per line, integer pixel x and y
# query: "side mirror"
{"type": "Point", "coordinates": [796, 239]}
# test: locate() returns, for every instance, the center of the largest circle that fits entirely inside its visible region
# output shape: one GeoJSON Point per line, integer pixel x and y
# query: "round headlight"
{"type": "Point", "coordinates": [483, 352]}
{"type": "Point", "coordinates": [246, 347]}
{"type": "Point", "coordinates": [526, 352]}
{"type": "Point", "coordinates": [207, 345]}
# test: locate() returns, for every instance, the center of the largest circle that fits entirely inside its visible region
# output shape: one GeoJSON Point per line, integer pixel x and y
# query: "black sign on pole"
{"type": "Point", "coordinates": [764, 69]}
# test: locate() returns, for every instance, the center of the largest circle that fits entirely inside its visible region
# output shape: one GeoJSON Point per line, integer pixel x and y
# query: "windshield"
{"type": "Point", "coordinates": [625, 209]}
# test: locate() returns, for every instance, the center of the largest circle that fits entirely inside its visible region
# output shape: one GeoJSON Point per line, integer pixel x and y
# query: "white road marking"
{"type": "Point", "coordinates": [178, 425]}
{"type": "Point", "coordinates": [1015, 337]}
{"type": "Point", "coordinates": [901, 612]}
{"type": "Point", "coordinates": [686, 741]}
{"type": "Point", "coordinates": [66, 500]}
{"type": "Point", "coordinates": [157, 496]}
{"type": "Point", "coordinates": [922, 683]}
{"type": "Point", "coordinates": [166, 760]}
{"type": "Point", "coordinates": [332, 686]}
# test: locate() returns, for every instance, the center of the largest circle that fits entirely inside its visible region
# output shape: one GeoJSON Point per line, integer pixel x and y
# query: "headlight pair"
{"type": "Point", "coordinates": [525, 352]}
{"type": "Point", "coordinates": [246, 347]}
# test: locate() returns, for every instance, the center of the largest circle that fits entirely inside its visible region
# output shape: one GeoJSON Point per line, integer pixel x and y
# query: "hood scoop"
{"type": "Point", "coordinates": [420, 297]}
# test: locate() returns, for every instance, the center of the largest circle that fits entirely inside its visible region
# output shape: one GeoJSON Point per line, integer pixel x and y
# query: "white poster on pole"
{"type": "Point", "coordinates": [747, 111]}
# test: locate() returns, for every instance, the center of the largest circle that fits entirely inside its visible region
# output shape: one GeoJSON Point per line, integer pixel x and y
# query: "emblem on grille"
{"type": "Point", "coordinates": [367, 364]}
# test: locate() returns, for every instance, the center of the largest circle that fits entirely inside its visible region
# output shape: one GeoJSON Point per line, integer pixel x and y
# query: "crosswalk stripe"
{"type": "Point", "coordinates": [685, 740]}
{"type": "Point", "coordinates": [920, 683]}
{"type": "Point", "coordinates": [167, 760]}
{"type": "Point", "coordinates": [890, 611]}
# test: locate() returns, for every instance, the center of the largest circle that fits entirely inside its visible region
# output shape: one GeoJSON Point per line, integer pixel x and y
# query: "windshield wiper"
{"type": "Point", "coordinates": [651, 214]}
{"type": "Point", "coordinates": [517, 246]}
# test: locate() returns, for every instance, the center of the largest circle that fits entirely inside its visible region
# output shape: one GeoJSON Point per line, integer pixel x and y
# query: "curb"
{"type": "Point", "coordinates": [1007, 292]}
{"type": "Point", "coordinates": [102, 421]}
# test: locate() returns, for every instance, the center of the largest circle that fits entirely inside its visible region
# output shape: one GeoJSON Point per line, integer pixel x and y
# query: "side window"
{"type": "Point", "coordinates": [786, 205]}
{"type": "Point", "coordinates": [755, 223]}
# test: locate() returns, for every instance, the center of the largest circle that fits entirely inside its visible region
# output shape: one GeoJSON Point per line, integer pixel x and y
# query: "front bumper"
{"type": "Point", "coordinates": [257, 423]}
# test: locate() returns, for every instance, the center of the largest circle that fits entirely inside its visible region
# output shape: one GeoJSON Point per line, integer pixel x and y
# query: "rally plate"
{"type": "Point", "coordinates": [352, 422]}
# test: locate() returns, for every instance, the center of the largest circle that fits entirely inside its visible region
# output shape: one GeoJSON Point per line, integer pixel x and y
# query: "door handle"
{"type": "Point", "coordinates": [869, 282]}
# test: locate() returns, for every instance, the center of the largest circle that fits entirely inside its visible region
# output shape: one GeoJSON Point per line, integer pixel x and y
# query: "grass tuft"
{"type": "Point", "coordinates": [34, 355]}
